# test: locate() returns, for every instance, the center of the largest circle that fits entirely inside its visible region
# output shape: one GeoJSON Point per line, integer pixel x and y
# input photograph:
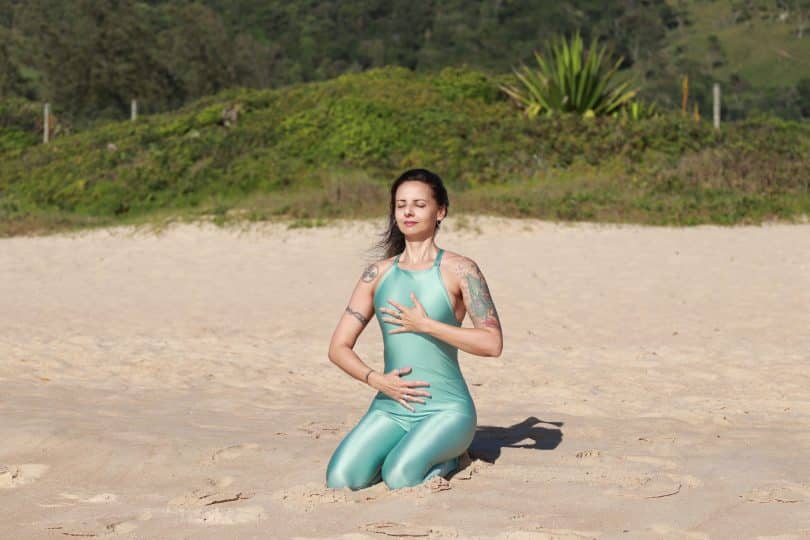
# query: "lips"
{"type": "Point", "coordinates": [410, 223]}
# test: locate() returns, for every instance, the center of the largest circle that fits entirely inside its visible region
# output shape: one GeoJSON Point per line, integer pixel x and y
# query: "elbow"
{"type": "Point", "coordinates": [331, 354]}
{"type": "Point", "coordinates": [334, 352]}
{"type": "Point", "coordinates": [493, 345]}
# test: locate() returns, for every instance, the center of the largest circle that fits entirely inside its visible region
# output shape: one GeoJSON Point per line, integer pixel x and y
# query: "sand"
{"type": "Point", "coordinates": [653, 384]}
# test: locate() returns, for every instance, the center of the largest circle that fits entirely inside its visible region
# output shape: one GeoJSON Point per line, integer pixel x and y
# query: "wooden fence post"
{"type": "Point", "coordinates": [716, 93]}
{"type": "Point", "coordinates": [46, 123]}
{"type": "Point", "coordinates": [134, 110]}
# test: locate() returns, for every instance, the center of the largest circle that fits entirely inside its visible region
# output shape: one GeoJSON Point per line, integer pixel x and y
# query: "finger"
{"type": "Point", "coordinates": [410, 395]}
{"type": "Point", "coordinates": [402, 401]}
{"type": "Point", "coordinates": [397, 305]}
{"type": "Point", "coordinates": [416, 383]}
{"type": "Point", "coordinates": [403, 370]}
{"type": "Point", "coordinates": [416, 303]}
{"type": "Point", "coordinates": [393, 321]}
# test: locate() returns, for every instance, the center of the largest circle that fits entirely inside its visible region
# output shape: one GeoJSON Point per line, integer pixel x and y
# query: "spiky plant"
{"type": "Point", "coordinates": [637, 110]}
{"type": "Point", "coordinates": [571, 80]}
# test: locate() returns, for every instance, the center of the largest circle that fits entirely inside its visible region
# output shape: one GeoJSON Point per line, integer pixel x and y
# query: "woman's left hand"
{"type": "Point", "coordinates": [412, 319]}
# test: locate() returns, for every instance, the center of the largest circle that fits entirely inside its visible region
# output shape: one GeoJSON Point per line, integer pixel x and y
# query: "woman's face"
{"type": "Point", "coordinates": [416, 210]}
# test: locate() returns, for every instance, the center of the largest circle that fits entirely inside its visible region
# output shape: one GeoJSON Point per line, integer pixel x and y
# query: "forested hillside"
{"type": "Point", "coordinates": [90, 57]}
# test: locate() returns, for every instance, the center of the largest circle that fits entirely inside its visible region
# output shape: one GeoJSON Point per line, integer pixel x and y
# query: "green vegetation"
{"type": "Point", "coordinates": [316, 151]}
{"type": "Point", "coordinates": [572, 80]}
{"type": "Point", "coordinates": [758, 50]}
{"type": "Point", "coordinates": [89, 58]}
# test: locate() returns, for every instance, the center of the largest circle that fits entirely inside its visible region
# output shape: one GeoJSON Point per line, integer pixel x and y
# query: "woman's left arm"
{"type": "Point", "coordinates": [485, 339]}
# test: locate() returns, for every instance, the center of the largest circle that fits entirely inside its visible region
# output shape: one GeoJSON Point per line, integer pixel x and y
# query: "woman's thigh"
{"type": "Point", "coordinates": [357, 461]}
{"type": "Point", "coordinates": [437, 438]}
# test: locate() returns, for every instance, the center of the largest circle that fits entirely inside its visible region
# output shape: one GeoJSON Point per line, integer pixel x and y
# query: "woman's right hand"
{"type": "Point", "coordinates": [393, 386]}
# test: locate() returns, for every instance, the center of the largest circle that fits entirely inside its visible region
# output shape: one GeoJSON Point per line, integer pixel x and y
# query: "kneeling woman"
{"type": "Point", "coordinates": [423, 417]}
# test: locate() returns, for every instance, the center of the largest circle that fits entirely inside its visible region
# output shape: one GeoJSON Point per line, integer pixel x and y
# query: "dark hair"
{"type": "Point", "coordinates": [393, 241]}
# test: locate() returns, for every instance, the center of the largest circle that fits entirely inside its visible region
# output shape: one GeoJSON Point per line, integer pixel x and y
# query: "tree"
{"type": "Point", "coordinates": [11, 81]}
{"type": "Point", "coordinates": [198, 51]}
{"type": "Point", "coordinates": [97, 54]}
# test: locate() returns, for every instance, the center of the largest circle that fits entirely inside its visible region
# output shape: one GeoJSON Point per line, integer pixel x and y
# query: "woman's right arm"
{"type": "Point", "coordinates": [353, 321]}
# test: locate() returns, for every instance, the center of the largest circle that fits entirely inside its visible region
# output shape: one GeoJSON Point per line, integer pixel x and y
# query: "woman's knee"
{"type": "Point", "coordinates": [397, 474]}
{"type": "Point", "coordinates": [338, 477]}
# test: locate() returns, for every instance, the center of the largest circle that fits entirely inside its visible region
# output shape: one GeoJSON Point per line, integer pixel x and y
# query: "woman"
{"type": "Point", "coordinates": [423, 417]}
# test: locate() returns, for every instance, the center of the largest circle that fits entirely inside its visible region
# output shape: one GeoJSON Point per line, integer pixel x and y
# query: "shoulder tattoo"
{"type": "Point", "coordinates": [370, 273]}
{"type": "Point", "coordinates": [474, 287]}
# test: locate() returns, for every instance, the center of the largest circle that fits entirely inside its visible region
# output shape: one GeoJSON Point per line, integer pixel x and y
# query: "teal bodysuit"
{"type": "Point", "coordinates": [390, 442]}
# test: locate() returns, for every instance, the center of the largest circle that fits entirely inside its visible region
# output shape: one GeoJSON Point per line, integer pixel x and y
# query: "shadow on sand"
{"type": "Point", "coordinates": [489, 440]}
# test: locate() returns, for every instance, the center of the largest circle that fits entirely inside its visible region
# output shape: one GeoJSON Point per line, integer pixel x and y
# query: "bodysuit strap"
{"type": "Point", "coordinates": [438, 260]}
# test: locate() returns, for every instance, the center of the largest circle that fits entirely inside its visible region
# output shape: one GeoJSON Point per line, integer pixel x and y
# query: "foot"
{"type": "Point", "coordinates": [443, 469]}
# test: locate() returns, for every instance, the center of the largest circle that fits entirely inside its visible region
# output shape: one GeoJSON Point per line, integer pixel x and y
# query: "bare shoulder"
{"type": "Point", "coordinates": [460, 265]}
{"type": "Point", "coordinates": [474, 291]}
{"type": "Point", "coordinates": [372, 272]}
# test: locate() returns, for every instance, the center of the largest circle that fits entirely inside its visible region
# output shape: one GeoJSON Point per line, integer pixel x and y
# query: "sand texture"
{"type": "Point", "coordinates": [654, 383]}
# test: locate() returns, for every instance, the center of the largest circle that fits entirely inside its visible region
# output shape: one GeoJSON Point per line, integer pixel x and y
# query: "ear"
{"type": "Point", "coordinates": [442, 213]}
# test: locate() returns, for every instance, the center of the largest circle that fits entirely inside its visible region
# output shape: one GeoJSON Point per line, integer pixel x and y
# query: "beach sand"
{"type": "Point", "coordinates": [653, 384]}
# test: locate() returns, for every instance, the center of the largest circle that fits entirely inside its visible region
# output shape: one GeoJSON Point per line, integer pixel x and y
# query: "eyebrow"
{"type": "Point", "coordinates": [403, 200]}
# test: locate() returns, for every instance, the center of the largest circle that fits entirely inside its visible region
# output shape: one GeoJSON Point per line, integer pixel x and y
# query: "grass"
{"type": "Point", "coordinates": [310, 153]}
{"type": "Point", "coordinates": [761, 48]}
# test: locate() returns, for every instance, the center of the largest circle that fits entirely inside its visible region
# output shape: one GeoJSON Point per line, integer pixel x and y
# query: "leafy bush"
{"type": "Point", "coordinates": [570, 81]}
{"type": "Point", "coordinates": [331, 148]}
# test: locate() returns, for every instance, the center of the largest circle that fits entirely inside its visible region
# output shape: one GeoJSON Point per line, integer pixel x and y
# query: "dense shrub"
{"type": "Point", "coordinates": [380, 122]}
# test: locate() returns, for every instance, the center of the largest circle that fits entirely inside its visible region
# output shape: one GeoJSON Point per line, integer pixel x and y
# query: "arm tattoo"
{"type": "Point", "coordinates": [482, 308]}
{"type": "Point", "coordinates": [356, 315]}
{"type": "Point", "coordinates": [370, 273]}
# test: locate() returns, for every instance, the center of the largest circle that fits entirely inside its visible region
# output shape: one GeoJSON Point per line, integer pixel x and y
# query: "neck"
{"type": "Point", "coordinates": [419, 251]}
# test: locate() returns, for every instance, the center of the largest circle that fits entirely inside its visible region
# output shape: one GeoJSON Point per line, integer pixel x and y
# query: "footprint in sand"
{"type": "Point", "coordinates": [313, 495]}
{"type": "Point", "coordinates": [307, 497]}
{"type": "Point", "coordinates": [214, 492]}
{"type": "Point", "coordinates": [774, 494]}
{"type": "Point", "coordinates": [126, 524]}
{"type": "Point", "coordinates": [101, 498]}
{"type": "Point", "coordinates": [634, 476]}
{"type": "Point", "coordinates": [316, 429]}
{"type": "Point", "coordinates": [203, 505]}
{"type": "Point", "coordinates": [233, 452]}
{"type": "Point", "coordinates": [588, 454]}
{"type": "Point", "coordinates": [404, 530]}
{"type": "Point", "coordinates": [121, 527]}
{"type": "Point", "coordinates": [229, 516]}
{"type": "Point", "coordinates": [651, 460]}
{"type": "Point", "coordinates": [12, 476]}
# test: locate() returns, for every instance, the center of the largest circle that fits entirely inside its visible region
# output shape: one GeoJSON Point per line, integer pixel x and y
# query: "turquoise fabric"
{"type": "Point", "coordinates": [391, 443]}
